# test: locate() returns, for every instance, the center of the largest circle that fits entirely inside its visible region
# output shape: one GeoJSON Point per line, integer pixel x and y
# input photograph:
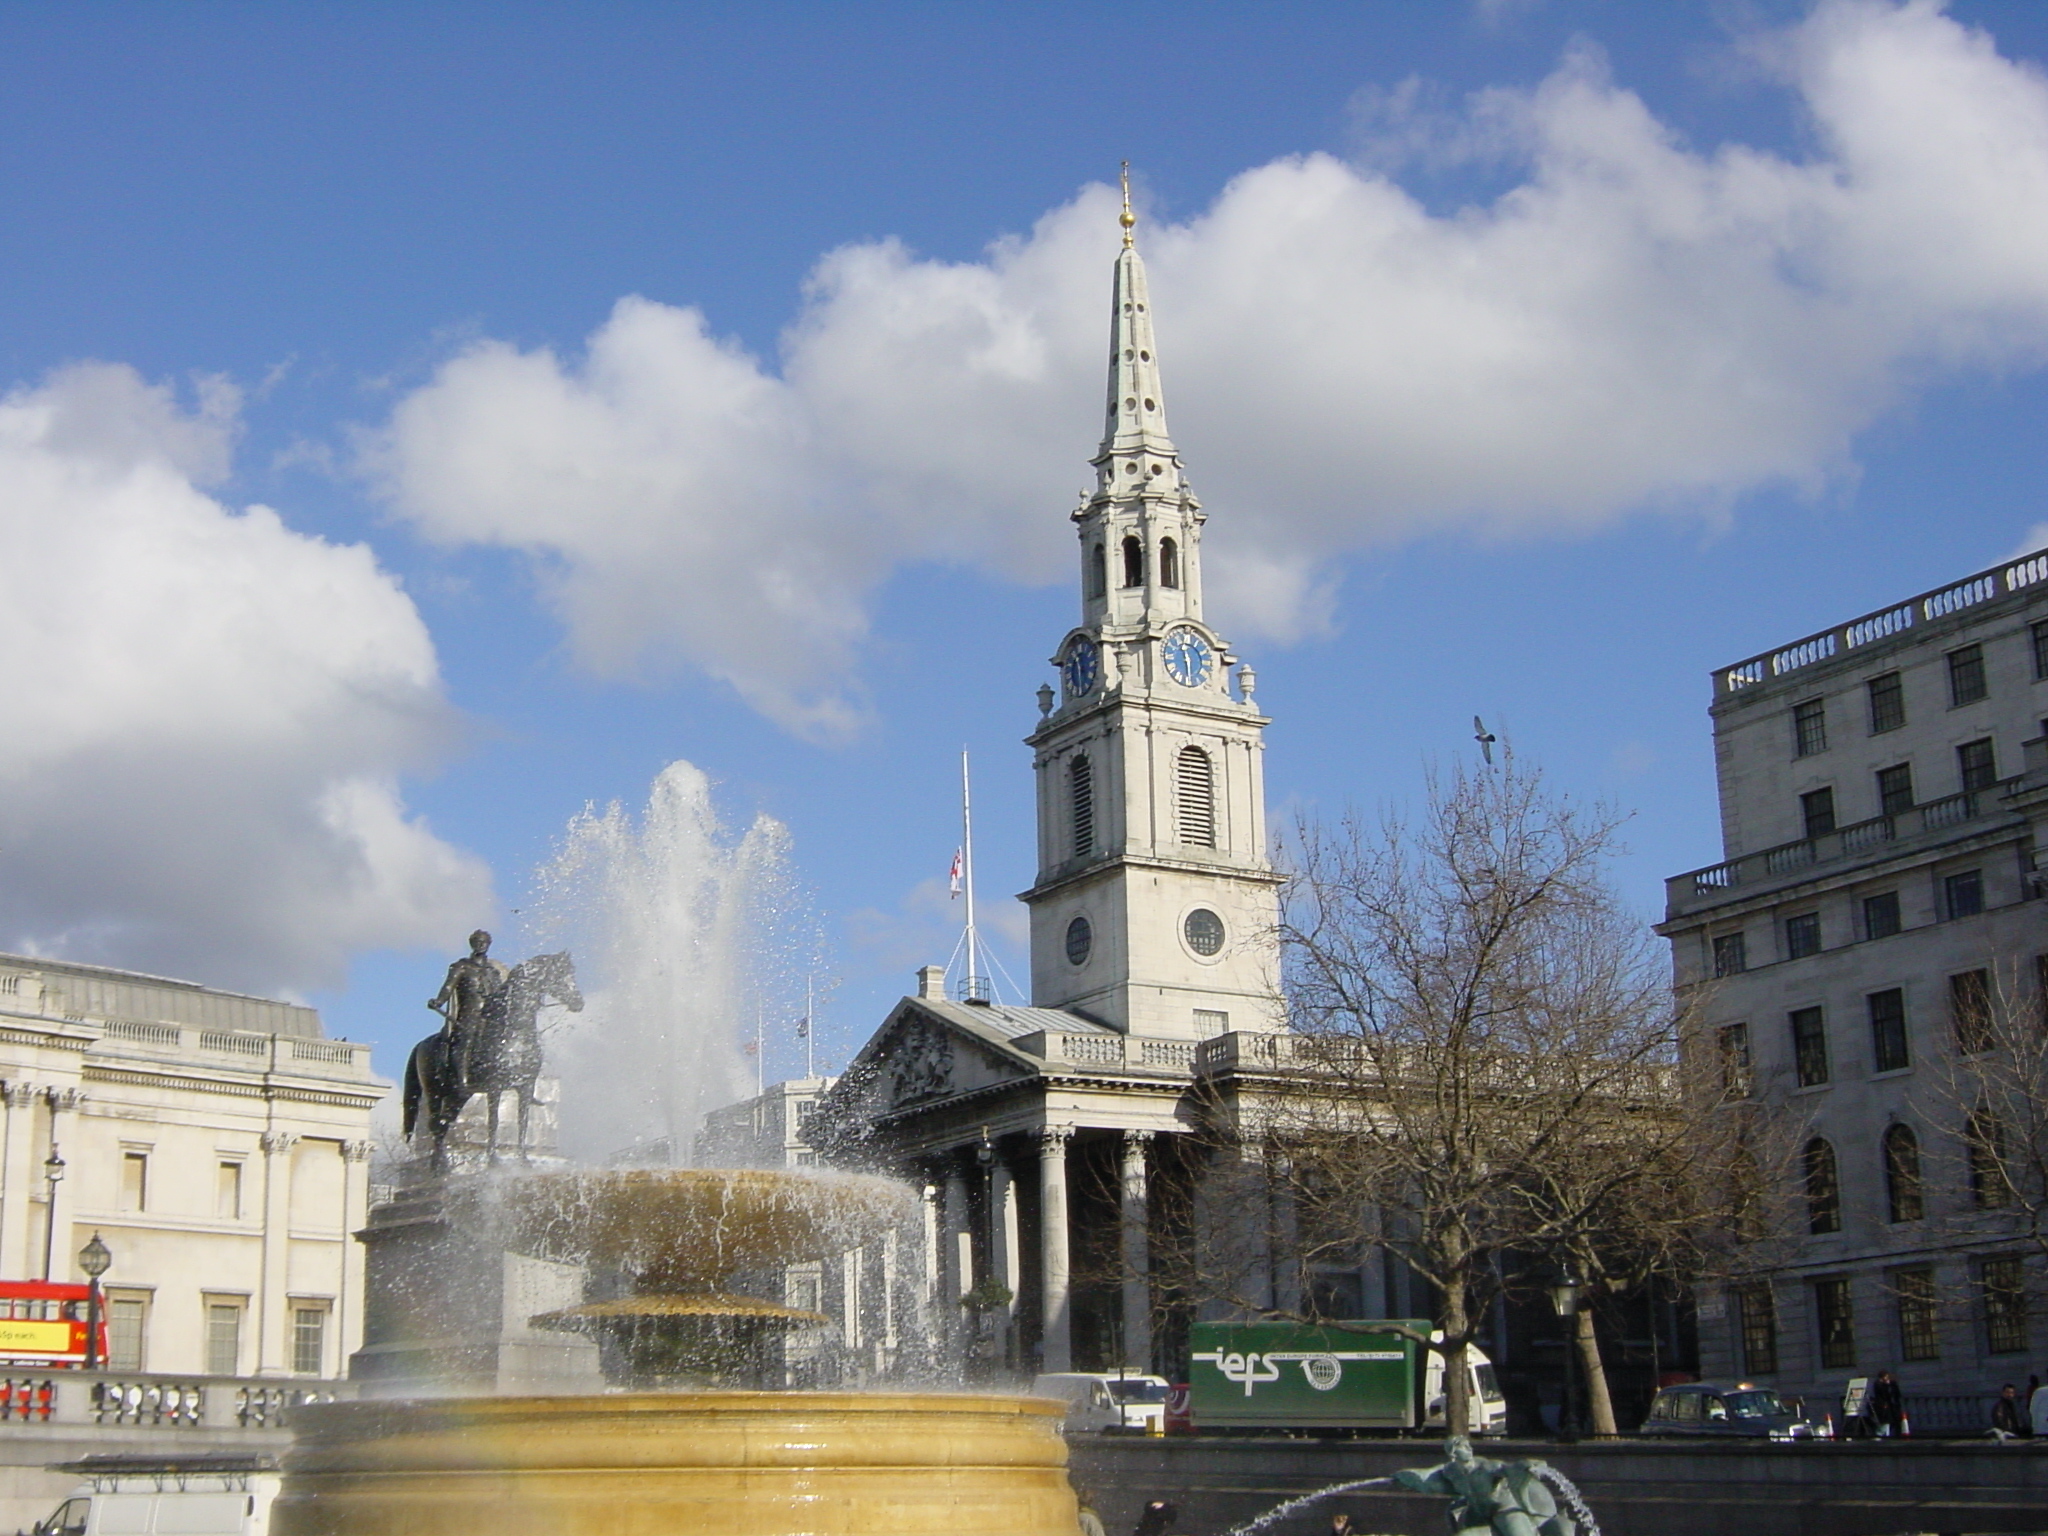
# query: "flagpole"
{"type": "Point", "coordinates": [810, 1029]}
{"type": "Point", "coordinates": [973, 983]}
{"type": "Point", "coordinates": [760, 1054]}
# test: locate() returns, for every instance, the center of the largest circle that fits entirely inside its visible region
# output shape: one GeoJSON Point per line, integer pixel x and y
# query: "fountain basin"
{"type": "Point", "coordinates": [655, 1463]}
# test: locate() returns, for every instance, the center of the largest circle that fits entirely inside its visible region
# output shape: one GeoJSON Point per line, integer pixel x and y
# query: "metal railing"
{"type": "Point", "coordinates": [2000, 581]}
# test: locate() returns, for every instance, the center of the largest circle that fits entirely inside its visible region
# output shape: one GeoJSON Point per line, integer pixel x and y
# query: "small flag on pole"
{"type": "Point", "coordinates": [752, 1048]}
{"type": "Point", "coordinates": [803, 1029]}
{"type": "Point", "coordinates": [955, 876]}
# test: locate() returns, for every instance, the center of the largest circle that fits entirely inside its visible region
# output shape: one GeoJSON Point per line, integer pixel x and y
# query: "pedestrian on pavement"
{"type": "Point", "coordinates": [1091, 1522]}
{"type": "Point", "coordinates": [2037, 1409]}
{"type": "Point", "coordinates": [1159, 1518]}
{"type": "Point", "coordinates": [1340, 1525]}
{"type": "Point", "coordinates": [2009, 1416]}
{"type": "Point", "coordinates": [1886, 1405]}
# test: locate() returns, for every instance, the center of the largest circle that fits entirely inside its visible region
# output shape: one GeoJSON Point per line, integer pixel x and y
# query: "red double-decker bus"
{"type": "Point", "coordinates": [43, 1322]}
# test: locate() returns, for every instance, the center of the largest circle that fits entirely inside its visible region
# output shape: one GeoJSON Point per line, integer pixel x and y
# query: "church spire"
{"type": "Point", "coordinates": [1136, 419]}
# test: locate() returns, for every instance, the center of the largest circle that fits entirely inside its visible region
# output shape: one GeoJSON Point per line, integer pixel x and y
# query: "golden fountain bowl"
{"type": "Point", "coordinates": [688, 1229]}
{"type": "Point", "coordinates": [662, 1464]}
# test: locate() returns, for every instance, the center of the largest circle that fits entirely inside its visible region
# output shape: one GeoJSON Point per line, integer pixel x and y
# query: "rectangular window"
{"type": "Point", "coordinates": [1817, 812]}
{"type": "Point", "coordinates": [223, 1338]}
{"type": "Point", "coordinates": [1966, 675]}
{"type": "Point", "coordinates": [1881, 915]}
{"type": "Point", "coordinates": [1888, 1029]}
{"type": "Point", "coordinates": [1802, 935]}
{"type": "Point", "coordinates": [1809, 728]}
{"type": "Point", "coordinates": [1836, 1323]}
{"type": "Point", "coordinates": [1887, 704]}
{"type": "Point", "coordinates": [1756, 1322]}
{"type": "Point", "coordinates": [1919, 1337]}
{"type": "Point", "coordinates": [1809, 1047]}
{"type": "Point", "coordinates": [1895, 790]}
{"type": "Point", "coordinates": [1735, 1071]}
{"type": "Point", "coordinates": [309, 1340]}
{"type": "Point", "coordinates": [127, 1317]}
{"type": "Point", "coordinates": [227, 1191]}
{"type": "Point", "coordinates": [1731, 954]}
{"type": "Point", "coordinates": [1969, 1005]}
{"type": "Point", "coordinates": [1977, 763]}
{"type": "Point", "coordinates": [1962, 894]}
{"type": "Point", "coordinates": [1211, 1022]}
{"type": "Point", "coordinates": [134, 1181]}
{"type": "Point", "coordinates": [2005, 1300]}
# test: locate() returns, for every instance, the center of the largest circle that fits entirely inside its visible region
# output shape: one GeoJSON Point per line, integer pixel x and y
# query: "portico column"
{"type": "Point", "coordinates": [355, 1210]}
{"type": "Point", "coordinates": [277, 1214]}
{"type": "Point", "coordinates": [1003, 1258]}
{"type": "Point", "coordinates": [959, 1255]}
{"type": "Point", "coordinates": [22, 1177]}
{"type": "Point", "coordinates": [1137, 1254]}
{"type": "Point", "coordinates": [1054, 1265]}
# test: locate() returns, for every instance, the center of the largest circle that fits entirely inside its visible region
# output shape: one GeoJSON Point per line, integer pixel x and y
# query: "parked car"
{"type": "Point", "coordinates": [1741, 1412]}
{"type": "Point", "coordinates": [1130, 1405]}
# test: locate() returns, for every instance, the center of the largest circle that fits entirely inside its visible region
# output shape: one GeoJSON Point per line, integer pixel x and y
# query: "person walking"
{"type": "Point", "coordinates": [1886, 1405]}
{"type": "Point", "coordinates": [1091, 1522]}
{"type": "Point", "coordinates": [2037, 1409]}
{"type": "Point", "coordinates": [2009, 1416]}
{"type": "Point", "coordinates": [1159, 1518]}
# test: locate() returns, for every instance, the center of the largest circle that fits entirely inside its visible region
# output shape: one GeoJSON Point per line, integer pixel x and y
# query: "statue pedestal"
{"type": "Point", "coordinates": [446, 1304]}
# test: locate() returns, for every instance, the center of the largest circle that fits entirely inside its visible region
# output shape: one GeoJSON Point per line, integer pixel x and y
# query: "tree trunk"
{"type": "Point", "coordinates": [1600, 1406]}
{"type": "Point", "coordinates": [1457, 1402]}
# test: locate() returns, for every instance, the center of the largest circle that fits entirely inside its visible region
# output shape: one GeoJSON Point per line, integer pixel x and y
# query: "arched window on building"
{"type": "Point", "coordinates": [1081, 802]}
{"type": "Point", "coordinates": [1095, 579]}
{"type": "Point", "coordinates": [1194, 795]}
{"type": "Point", "coordinates": [1823, 1188]}
{"type": "Point", "coordinates": [1169, 563]}
{"type": "Point", "coordinates": [1134, 561]}
{"type": "Point", "coordinates": [1902, 1174]}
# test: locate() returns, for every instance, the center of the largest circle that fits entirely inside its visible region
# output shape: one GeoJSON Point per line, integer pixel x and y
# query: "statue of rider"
{"type": "Point", "coordinates": [472, 982]}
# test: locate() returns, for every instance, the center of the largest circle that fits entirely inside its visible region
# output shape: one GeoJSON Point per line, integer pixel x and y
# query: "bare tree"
{"type": "Point", "coordinates": [1486, 1068]}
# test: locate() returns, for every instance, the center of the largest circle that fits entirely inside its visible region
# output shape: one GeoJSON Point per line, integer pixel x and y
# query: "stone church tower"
{"type": "Point", "coordinates": [1154, 910]}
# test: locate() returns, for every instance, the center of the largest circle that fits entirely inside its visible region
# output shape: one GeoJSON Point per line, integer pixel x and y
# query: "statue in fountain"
{"type": "Point", "coordinates": [1490, 1498]}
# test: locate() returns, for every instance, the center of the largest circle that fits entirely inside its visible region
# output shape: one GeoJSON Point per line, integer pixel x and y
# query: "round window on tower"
{"type": "Point", "coordinates": [1204, 930]}
{"type": "Point", "coordinates": [1080, 940]}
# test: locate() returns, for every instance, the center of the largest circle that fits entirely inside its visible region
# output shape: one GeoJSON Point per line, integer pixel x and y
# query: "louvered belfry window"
{"type": "Point", "coordinates": [1081, 791]}
{"type": "Point", "coordinates": [1195, 794]}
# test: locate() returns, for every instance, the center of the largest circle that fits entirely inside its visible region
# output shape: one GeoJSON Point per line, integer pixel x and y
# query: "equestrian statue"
{"type": "Point", "coordinates": [488, 1043]}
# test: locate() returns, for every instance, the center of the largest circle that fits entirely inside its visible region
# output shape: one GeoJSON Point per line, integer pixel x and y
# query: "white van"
{"type": "Point", "coordinates": [1115, 1405]}
{"type": "Point", "coordinates": [1487, 1408]}
{"type": "Point", "coordinates": [225, 1495]}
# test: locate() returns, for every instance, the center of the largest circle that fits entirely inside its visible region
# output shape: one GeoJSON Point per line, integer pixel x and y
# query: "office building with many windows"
{"type": "Point", "coordinates": [1881, 789]}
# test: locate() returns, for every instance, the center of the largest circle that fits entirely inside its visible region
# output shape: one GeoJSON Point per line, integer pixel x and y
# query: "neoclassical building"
{"type": "Point", "coordinates": [1054, 1138]}
{"type": "Point", "coordinates": [219, 1145]}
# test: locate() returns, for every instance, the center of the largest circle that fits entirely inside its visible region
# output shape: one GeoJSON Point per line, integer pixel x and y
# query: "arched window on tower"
{"type": "Point", "coordinates": [1194, 794]}
{"type": "Point", "coordinates": [1902, 1174]}
{"type": "Point", "coordinates": [1134, 561]}
{"type": "Point", "coordinates": [1095, 579]}
{"type": "Point", "coordinates": [1081, 803]}
{"type": "Point", "coordinates": [1823, 1188]}
{"type": "Point", "coordinates": [1169, 563]}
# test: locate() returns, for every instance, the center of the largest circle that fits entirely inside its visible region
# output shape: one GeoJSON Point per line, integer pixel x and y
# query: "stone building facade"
{"type": "Point", "coordinates": [1882, 785]}
{"type": "Point", "coordinates": [219, 1145]}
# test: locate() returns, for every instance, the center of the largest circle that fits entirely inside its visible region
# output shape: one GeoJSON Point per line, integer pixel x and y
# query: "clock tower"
{"type": "Point", "coordinates": [1155, 907]}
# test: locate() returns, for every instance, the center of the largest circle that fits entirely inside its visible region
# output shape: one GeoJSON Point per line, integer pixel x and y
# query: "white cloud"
{"type": "Point", "coordinates": [1635, 324]}
{"type": "Point", "coordinates": [206, 713]}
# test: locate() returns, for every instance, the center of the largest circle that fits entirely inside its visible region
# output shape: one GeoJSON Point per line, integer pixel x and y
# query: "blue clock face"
{"type": "Point", "coordinates": [1188, 657]}
{"type": "Point", "coordinates": [1081, 666]}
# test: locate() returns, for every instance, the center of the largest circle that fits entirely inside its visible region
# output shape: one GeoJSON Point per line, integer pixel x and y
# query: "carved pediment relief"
{"type": "Point", "coordinates": [920, 1062]}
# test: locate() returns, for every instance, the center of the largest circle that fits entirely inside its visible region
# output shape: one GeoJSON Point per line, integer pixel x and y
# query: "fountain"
{"type": "Point", "coordinates": [565, 1349]}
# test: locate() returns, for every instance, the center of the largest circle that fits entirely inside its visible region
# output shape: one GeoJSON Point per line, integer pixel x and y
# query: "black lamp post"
{"type": "Point", "coordinates": [95, 1258]}
{"type": "Point", "coordinates": [1564, 1295]}
{"type": "Point", "coordinates": [53, 1174]}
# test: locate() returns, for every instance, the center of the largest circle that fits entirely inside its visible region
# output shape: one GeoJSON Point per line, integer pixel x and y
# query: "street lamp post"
{"type": "Point", "coordinates": [95, 1258]}
{"type": "Point", "coordinates": [53, 1174]}
{"type": "Point", "coordinates": [1564, 1295]}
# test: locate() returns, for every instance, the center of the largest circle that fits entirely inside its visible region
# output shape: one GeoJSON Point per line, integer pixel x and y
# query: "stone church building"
{"type": "Point", "coordinates": [1055, 1140]}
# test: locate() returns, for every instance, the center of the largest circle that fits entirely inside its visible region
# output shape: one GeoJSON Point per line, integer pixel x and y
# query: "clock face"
{"type": "Point", "coordinates": [1188, 657]}
{"type": "Point", "coordinates": [1081, 666]}
{"type": "Point", "coordinates": [1204, 932]}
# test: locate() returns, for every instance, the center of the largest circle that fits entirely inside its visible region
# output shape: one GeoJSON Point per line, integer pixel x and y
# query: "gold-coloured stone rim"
{"type": "Point", "coordinates": [707, 1305]}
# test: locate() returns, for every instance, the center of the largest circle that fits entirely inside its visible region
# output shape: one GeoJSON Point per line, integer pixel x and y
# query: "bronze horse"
{"type": "Point", "coordinates": [505, 1056]}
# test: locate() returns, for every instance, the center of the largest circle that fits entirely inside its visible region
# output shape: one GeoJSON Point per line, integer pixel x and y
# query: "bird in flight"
{"type": "Point", "coordinates": [1484, 737]}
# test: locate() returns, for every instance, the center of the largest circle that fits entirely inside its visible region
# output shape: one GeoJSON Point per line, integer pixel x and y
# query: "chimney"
{"type": "Point", "coordinates": [931, 981]}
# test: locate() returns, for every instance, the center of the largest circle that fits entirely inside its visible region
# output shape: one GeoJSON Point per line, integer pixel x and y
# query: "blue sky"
{"type": "Point", "coordinates": [1531, 359]}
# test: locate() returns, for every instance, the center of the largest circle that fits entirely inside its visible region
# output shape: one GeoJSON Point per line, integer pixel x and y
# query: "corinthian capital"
{"type": "Point", "coordinates": [1053, 1139]}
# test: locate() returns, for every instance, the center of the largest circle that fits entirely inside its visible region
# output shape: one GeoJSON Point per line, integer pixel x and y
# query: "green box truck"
{"type": "Point", "coordinates": [1333, 1376]}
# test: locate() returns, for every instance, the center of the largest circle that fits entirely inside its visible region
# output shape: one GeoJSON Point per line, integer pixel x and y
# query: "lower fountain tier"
{"type": "Point", "coordinates": [709, 1463]}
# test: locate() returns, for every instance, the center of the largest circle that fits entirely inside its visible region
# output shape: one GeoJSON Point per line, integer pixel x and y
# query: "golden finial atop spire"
{"type": "Point", "coordinates": [1128, 219]}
